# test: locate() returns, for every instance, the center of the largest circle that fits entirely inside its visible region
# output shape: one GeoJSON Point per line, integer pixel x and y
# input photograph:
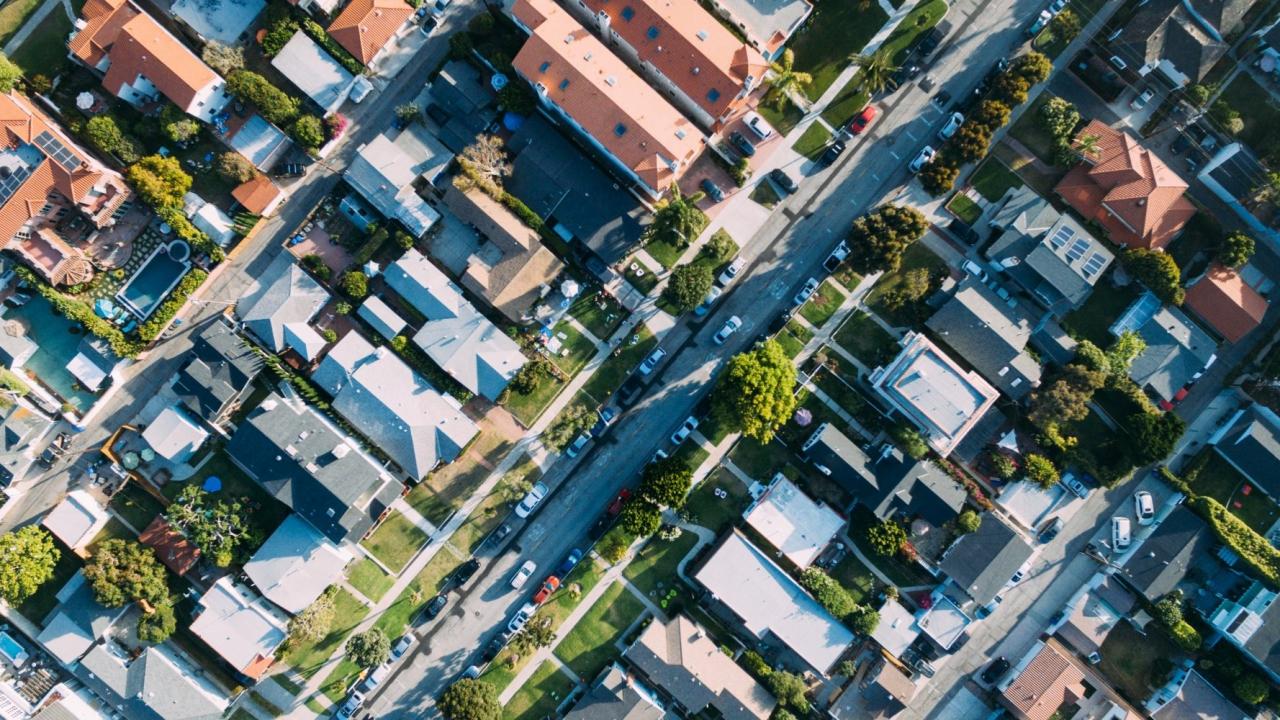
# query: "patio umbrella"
{"type": "Point", "coordinates": [212, 484]}
{"type": "Point", "coordinates": [148, 454]}
{"type": "Point", "coordinates": [130, 460]}
{"type": "Point", "coordinates": [512, 121]}
{"type": "Point", "coordinates": [84, 100]}
{"type": "Point", "coordinates": [103, 307]}
{"type": "Point", "coordinates": [570, 288]}
{"type": "Point", "coordinates": [803, 417]}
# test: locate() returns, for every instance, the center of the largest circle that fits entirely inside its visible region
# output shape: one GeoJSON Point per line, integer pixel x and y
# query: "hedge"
{"type": "Point", "coordinates": [275, 105]}
{"type": "Point", "coordinates": [370, 247]}
{"type": "Point", "coordinates": [199, 241]}
{"type": "Point", "coordinates": [170, 307]}
{"type": "Point", "coordinates": [82, 313]}
{"type": "Point", "coordinates": [339, 53]}
{"type": "Point", "coordinates": [1256, 552]}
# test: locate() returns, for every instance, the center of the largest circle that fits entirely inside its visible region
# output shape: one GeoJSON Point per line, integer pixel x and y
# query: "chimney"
{"type": "Point", "coordinates": [602, 22]}
{"type": "Point", "coordinates": [341, 449]}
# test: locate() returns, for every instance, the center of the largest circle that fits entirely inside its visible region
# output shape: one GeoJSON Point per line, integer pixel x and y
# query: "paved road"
{"type": "Point", "coordinates": [785, 251]}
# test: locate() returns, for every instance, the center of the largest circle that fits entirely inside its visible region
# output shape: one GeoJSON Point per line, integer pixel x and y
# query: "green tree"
{"type": "Point", "coordinates": [276, 106]}
{"type": "Point", "coordinates": [1004, 466]}
{"type": "Point", "coordinates": [27, 559]}
{"type": "Point", "coordinates": [234, 167]}
{"type": "Point", "coordinates": [182, 129]}
{"type": "Point", "coordinates": [829, 593]}
{"type": "Point", "coordinates": [315, 621]}
{"type": "Point", "coordinates": [971, 141]}
{"type": "Point", "coordinates": [160, 181]}
{"type": "Point", "coordinates": [1059, 117]}
{"type": "Point", "coordinates": [875, 70]}
{"type": "Point", "coordinates": [516, 97]}
{"type": "Point", "coordinates": [1169, 609]}
{"type": "Point", "coordinates": [1158, 271]}
{"type": "Point", "coordinates": [640, 517]}
{"type": "Point", "coordinates": [754, 392]}
{"type": "Point", "coordinates": [939, 176]}
{"type": "Point", "coordinates": [677, 220]}
{"type": "Point", "coordinates": [122, 571]}
{"type": "Point", "coordinates": [1251, 688]}
{"type": "Point", "coordinates": [1034, 67]}
{"type": "Point", "coordinates": [1236, 250]}
{"type": "Point", "coordinates": [910, 440]}
{"type": "Point", "coordinates": [1065, 26]}
{"type": "Point", "coordinates": [863, 620]}
{"type": "Point", "coordinates": [1199, 94]}
{"type": "Point", "coordinates": [879, 237]}
{"type": "Point", "coordinates": [1186, 636]}
{"type": "Point", "coordinates": [992, 113]}
{"type": "Point", "coordinates": [688, 286]}
{"type": "Point", "coordinates": [355, 284]}
{"type": "Point", "coordinates": [1040, 470]}
{"type": "Point", "coordinates": [786, 80]}
{"type": "Point", "coordinates": [537, 633]}
{"type": "Point", "coordinates": [789, 689]}
{"type": "Point", "coordinates": [225, 59]}
{"type": "Point", "coordinates": [469, 699]}
{"type": "Point", "coordinates": [665, 483]}
{"type": "Point", "coordinates": [10, 74]}
{"type": "Point", "coordinates": [1124, 351]}
{"type": "Point", "coordinates": [1067, 399]}
{"type": "Point", "coordinates": [308, 130]}
{"type": "Point", "coordinates": [969, 521]}
{"type": "Point", "coordinates": [107, 138]}
{"type": "Point", "coordinates": [369, 648]}
{"type": "Point", "coordinates": [1011, 89]}
{"type": "Point", "coordinates": [886, 537]}
{"type": "Point", "coordinates": [220, 529]}
{"type": "Point", "coordinates": [156, 626]}
{"type": "Point", "coordinates": [278, 35]}
{"type": "Point", "coordinates": [1154, 434]}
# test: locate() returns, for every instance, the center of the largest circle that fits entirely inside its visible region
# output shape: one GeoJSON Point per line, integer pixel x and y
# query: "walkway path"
{"type": "Point", "coordinates": [33, 22]}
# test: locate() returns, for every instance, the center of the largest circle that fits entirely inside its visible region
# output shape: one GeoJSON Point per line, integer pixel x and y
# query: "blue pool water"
{"type": "Point", "coordinates": [57, 340]}
{"type": "Point", "coordinates": [11, 649]}
{"type": "Point", "coordinates": [148, 287]}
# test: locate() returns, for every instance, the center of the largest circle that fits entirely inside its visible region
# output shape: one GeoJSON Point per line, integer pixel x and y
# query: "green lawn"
{"type": "Point", "coordinates": [842, 385]}
{"type": "Point", "coordinates": [916, 256]}
{"type": "Point", "coordinates": [847, 103]}
{"type": "Point", "coordinates": [527, 408]}
{"type": "Point", "coordinates": [1102, 308]}
{"type": "Point", "coordinates": [589, 646]}
{"type": "Point", "coordinates": [653, 570]}
{"type": "Point", "coordinates": [598, 313]}
{"type": "Point", "coordinates": [137, 506]}
{"type": "Point", "coordinates": [764, 194]}
{"type": "Point", "coordinates": [832, 33]}
{"type": "Point", "coordinates": [1028, 131]}
{"type": "Point", "coordinates": [691, 454]}
{"type": "Point", "coordinates": [863, 338]}
{"type": "Point", "coordinates": [813, 141]}
{"type": "Point", "coordinates": [793, 338]}
{"type": "Point", "coordinates": [783, 120]}
{"type": "Point", "coordinates": [716, 513]}
{"type": "Point", "coordinates": [847, 277]}
{"type": "Point", "coordinates": [1260, 113]}
{"type": "Point", "coordinates": [268, 512]}
{"type": "Point", "coordinates": [45, 50]}
{"type": "Point", "coordinates": [1129, 659]}
{"type": "Point", "coordinates": [612, 372]}
{"type": "Point", "coordinates": [540, 695]}
{"type": "Point", "coordinates": [14, 15]}
{"type": "Point", "coordinates": [308, 656]}
{"type": "Point", "coordinates": [664, 252]}
{"type": "Point", "coordinates": [1218, 480]}
{"type": "Point", "coordinates": [823, 304]}
{"type": "Point", "coordinates": [396, 541]}
{"type": "Point", "coordinates": [576, 349]}
{"type": "Point", "coordinates": [992, 179]}
{"type": "Point", "coordinates": [856, 578]}
{"type": "Point", "coordinates": [644, 283]}
{"type": "Point", "coordinates": [962, 207]}
{"type": "Point", "coordinates": [759, 462]}
{"type": "Point", "coordinates": [369, 579]}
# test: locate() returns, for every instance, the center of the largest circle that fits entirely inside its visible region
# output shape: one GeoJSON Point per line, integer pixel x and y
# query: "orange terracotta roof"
{"type": "Point", "coordinates": [142, 47]}
{"type": "Point", "coordinates": [172, 547]}
{"type": "Point", "coordinates": [1128, 189]}
{"type": "Point", "coordinates": [365, 26]}
{"type": "Point", "coordinates": [577, 73]}
{"type": "Point", "coordinates": [1048, 682]}
{"type": "Point", "coordinates": [688, 46]}
{"type": "Point", "coordinates": [1223, 299]}
{"type": "Point", "coordinates": [257, 195]}
{"type": "Point", "coordinates": [103, 19]}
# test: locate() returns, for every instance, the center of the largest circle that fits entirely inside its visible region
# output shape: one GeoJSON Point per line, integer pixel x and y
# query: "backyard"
{"type": "Point", "coordinates": [268, 512]}
{"type": "Point", "coordinates": [993, 178]}
{"type": "Point", "coordinates": [916, 256]}
{"type": "Point", "coordinates": [1260, 113]}
{"type": "Point", "coordinates": [1222, 482]}
{"type": "Point", "coordinates": [1092, 320]}
{"type": "Point", "coordinates": [1028, 130]}
{"type": "Point", "coordinates": [1129, 659]}
{"type": "Point", "coordinates": [834, 32]}
{"type": "Point", "coordinates": [540, 695]}
{"type": "Point", "coordinates": [864, 339]}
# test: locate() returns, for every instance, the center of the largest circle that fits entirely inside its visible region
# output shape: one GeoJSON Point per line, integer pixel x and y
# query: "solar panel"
{"type": "Point", "coordinates": [10, 183]}
{"type": "Point", "coordinates": [57, 151]}
{"type": "Point", "coordinates": [1094, 264]}
{"type": "Point", "coordinates": [1061, 237]}
{"type": "Point", "coordinates": [1077, 249]}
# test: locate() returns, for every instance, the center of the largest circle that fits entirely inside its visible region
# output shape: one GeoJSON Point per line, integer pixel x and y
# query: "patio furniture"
{"type": "Point", "coordinates": [130, 460]}
{"type": "Point", "coordinates": [148, 455]}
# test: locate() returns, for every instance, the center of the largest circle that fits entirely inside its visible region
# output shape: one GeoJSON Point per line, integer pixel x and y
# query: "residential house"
{"type": "Point", "coordinates": [77, 622]}
{"type": "Point", "coordinates": [171, 547]}
{"type": "Point", "coordinates": [260, 142]}
{"type": "Point", "coordinates": [1223, 299]}
{"type": "Point", "coordinates": [48, 187]}
{"type": "Point", "coordinates": [885, 690]}
{"type": "Point", "coordinates": [616, 695]}
{"type": "Point", "coordinates": [93, 362]}
{"type": "Point", "coordinates": [209, 219]}
{"type": "Point", "coordinates": [1050, 255]}
{"type": "Point", "coordinates": [226, 21]}
{"type": "Point", "coordinates": [1164, 558]}
{"type": "Point", "coordinates": [381, 317]}
{"type": "Point", "coordinates": [1126, 189]}
{"type": "Point", "coordinates": [512, 269]}
{"type": "Point", "coordinates": [1182, 39]}
{"type": "Point", "coordinates": [767, 24]}
{"type": "Point", "coordinates": [943, 400]}
{"type": "Point", "coordinates": [385, 169]}
{"type": "Point", "coordinates": [944, 622]}
{"type": "Point", "coordinates": [686, 665]}
{"type": "Point", "coordinates": [313, 467]}
{"type": "Point", "coordinates": [1188, 696]}
{"type": "Point", "coordinates": [157, 684]}
{"type": "Point", "coordinates": [769, 604]}
{"type": "Point", "coordinates": [981, 563]}
{"type": "Point", "coordinates": [174, 435]}
{"type": "Point", "coordinates": [1231, 174]}
{"type": "Point", "coordinates": [467, 102]}
{"type": "Point", "coordinates": [296, 564]}
{"type": "Point", "coordinates": [1250, 620]}
{"type": "Point", "coordinates": [259, 196]}
{"type": "Point", "coordinates": [456, 336]}
{"type": "Point", "coordinates": [398, 410]}
{"type": "Point", "coordinates": [1250, 442]}
{"type": "Point", "coordinates": [278, 308]}
{"type": "Point", "coordinates": [582, 83]}
{"type": "Point", "coordinates": [16, 348]}
{"type": "Point", "coordinates": [990, 335]}
{"type": "Point", "coordinates": [77, 519]}
{"type": "Point", "coordinates": [366, 27]}
{"type": "Point", "coordinates": [890, 484]}
{"type": "Point", "coordinates": [897, 628]}
{"type": "Point", "coordinates": [141, 61]}
{"type": "Point", "coordinates": [22, 431]}
{"type": "Point", "coordinates": [684, 53]}
{"type": "Point", "coordinates": [241, 626]}
{"type": "Point", "coordinates": [1093, 615]}
{"type": "Point", "coordinates": [1177, 350]}
{"type": "Point", "coordinates": [314, 71]}
{"type": "Point", "coordinates": [1048, 682]}
{"type": "Point", "coordinates": [798, 526]}
{"type": "Point", "coordinates": [218, 374]}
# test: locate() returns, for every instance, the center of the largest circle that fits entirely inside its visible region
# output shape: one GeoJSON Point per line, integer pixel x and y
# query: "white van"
{"type": "Point", "coordinates": [1120, 533]}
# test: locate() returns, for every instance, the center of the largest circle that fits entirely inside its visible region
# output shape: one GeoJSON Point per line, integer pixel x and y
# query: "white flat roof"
{"type": "Point", "coordinates": [770, 602]}
{"type": "Point", "coordinates": [897, 628]}
{"type": "Point", "coordinates": [313, 70]}
{"type": "Point", "coordinates": [794, 523]}
{"type": "Point", "coordinates": [945, 622]}
{"type": "Point", "coordinates": [239, 624]}
{"type": "Point", "coordinates": [1028, 503]}
{"type": "Point", "coordinates": [76, 519]}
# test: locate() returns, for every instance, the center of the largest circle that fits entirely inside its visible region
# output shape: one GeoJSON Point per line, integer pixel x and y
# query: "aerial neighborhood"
{"type": "Point", "coordinates": [639, 359]}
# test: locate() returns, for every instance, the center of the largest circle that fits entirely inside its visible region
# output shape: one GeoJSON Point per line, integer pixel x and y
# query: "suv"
{"type": "Point", "coordinates": [731, 272]}
{"type": "Point", "coordinates": [1144, 507]}
{"type": "Point", "coordinates": [686, 429]}
{"type": "Point", "coordinates": [758, 125]}
{"type": "Point", "coordinates": [712, 190]}
{"type": "Point", "coordinates": [630, 391]}
{"type": "Point", "coordinates": [652, 361]}
{"type": "Point", "coordinates": [531, 500]}
{"type": "Point", "coordinates": [465, 572]}
{"type": "Point", "coordinates": [783, 180]}
{"type": "Point", "coordinates": [741, 142]}
{"type": "Point", "coordinates": [806, 292]}
{"type": "Point", "coordinates": [995, 670]}
{"type": "Point", "coordinates": [578, 444]}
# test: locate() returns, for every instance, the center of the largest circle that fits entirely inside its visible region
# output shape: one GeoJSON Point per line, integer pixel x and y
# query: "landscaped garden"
{"type": "Point", "coordinates": [1092, 320]}
{"type": "Point", "coordinates": [831, 34]}
{"type": "Point", "coordinates": [395, 541]}
{"type": "Point", "coordinates": [993, 178]}
{"type": "Point", "coordinates": [822, 305]}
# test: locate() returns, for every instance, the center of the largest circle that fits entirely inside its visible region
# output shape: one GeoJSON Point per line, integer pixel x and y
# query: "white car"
{"type": "Point", "coordinates": [522, 575]}
{"type": "Point", "coordinates": [708, 301]}
{"type": "Point", "coordinates": [578, 444]}
{"type": "Point", "coordinates": [402, 646]}
{"type": "Point", "coordinates": [1142, 99]}
{"type": "Point", "coordinates": [652, 361]}
{"type": "Point", "coordinates": [521, 617]}
{"type": "Point", "coordinates": [924, 158]}
{"type": "Point", "coordinates": [679, 436]}
{"type": "Point", "coordinates": [1120, 533]}
{"type": "Point", "coordinates": [531, 500]}
{"type": "Point", "coordinates": [953, 124]}
{"type": "Point", "coordinates": [730, 327]}
{"type": "Point", "coordinates": [1144, 507]}
{"type": "Point", "coordinates": [1117, 62]}
{"type": "Point", "coordinates": [806, 292]}
{"type": "Point", "coordinates": [758, 125]}
{"type": "Point", "coordinates": [732, 271]}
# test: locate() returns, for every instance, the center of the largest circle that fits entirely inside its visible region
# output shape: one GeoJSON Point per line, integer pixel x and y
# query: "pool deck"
{"type": "Point", "coordinates": [152, 296]}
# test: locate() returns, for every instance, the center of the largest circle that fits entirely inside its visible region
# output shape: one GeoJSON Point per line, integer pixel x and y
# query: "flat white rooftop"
{"type": "Point", "coordinates": [792, 522]}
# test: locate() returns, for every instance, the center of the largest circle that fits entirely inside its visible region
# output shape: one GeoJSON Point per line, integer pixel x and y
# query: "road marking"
{"type": "Point", "coordinates": [875, 177]}
{"type": "Point", "coordinates": [534, 533]}
{"type": "Point", "coordinates": [778, 288]}
{"type": "Point", "coordinates": [895, 155]}
{"type": "Point", "coordinates": [909, 134]}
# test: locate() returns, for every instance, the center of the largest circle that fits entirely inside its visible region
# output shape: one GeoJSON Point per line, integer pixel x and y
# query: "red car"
{"type": "Point", "coordinates": [862, 120]}
{"type": "Point", "coordinates": [615, 507]}
{"type": "Point", "coordinates": [547, 588]}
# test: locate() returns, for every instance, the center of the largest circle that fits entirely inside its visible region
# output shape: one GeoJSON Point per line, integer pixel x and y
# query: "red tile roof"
{"type": "Point", "coordinates": [257, 195]}
{"type": "Point", "coordinates": [1048, 682]}
{"type": "Point", "coordinates": [1224, 301]}
{"type": "Point", "coordinates": [365, 26]}
{"type": "Point", "coordinates": [577, 73]}
{"type": "Point", "coordinates": [689, 46]}
{"type": "Point", "coordinates": [172, 547]}
{"type": "Point", "coordinates": [1126, 188]}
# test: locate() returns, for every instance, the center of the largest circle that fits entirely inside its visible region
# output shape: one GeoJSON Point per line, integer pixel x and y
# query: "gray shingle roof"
{"type": "Point", "coordinates": [1252, 445]}
{"type": "Point", "coordinates": [614, 697]}
{"type": "Point", "coordinates": [981, 562]}
{"type": "Point", "coordinates": [1193, 41]}
{"type": "Point", "coordinates": [1177, 349]}
{"type": "Point", "coordinates": [220, 368]}
{"type": "Point", "coordinates": [283, 294]}
{"type": "Point", "coordinates": [1165, 557]}
{"type": "Point", "coordinates": [990, 336]}
{"type": "Point", "coordinates": [155, 686]}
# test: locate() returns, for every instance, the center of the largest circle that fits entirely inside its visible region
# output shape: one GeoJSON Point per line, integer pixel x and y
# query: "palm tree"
{"type": "Point", "coordinates": [1088, 145]}
{"type": "Point", "coordinates": [677, 219]}
{"type": "Point", "coordinates": [786, 80]}
{"type": "Point", "coordinates": [876, 69]}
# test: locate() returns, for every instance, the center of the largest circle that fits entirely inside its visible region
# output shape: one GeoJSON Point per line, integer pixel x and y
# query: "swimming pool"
{"type": "Point", "coordinates": [12, 650]}
{"type": "Point", "coordinates": [57, 341]}
{"type": "Point", "coordinates": [158, 275]}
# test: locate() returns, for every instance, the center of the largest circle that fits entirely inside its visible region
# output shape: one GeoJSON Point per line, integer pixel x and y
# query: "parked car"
{"type": "Point", "coordinates": [1018, 575]}
{"type": "Point", "coordinates": [1042, 21]}
{"type": "Point", "coordinates": [465, 572]}
{"type": "Point", "coordinates": [862, 120]}
{"type": "Point", "coordinates": [652, 361]}
{"type": "Point", "coordinates": [806, 291]}
{"type": "Point", "coordinates": [995, 670]}
{"type": "Point", "coordinates": [758, 125]}
{"type": "Point", "coordinates": [615, 506]}
{"type": "Point", "coordinates": [569, 563]}
{"type": "Point", "coordinates": [492, 649]}
{"type": "Point", "coordinates": [836, 257]}
{"type": "Point", "coordinates": [630, 391]}
{"type": "Point", "coordinates": [686, 429]}
{"type": "Point", "coordinates": [742, 144]}
{"type": "Point", "coordinates": [1180, 144]}
{"type": "Point", "coordinates": [783, 180]}
{"type": "Point", "coordinates": [952, 125]}
{"type": "Point", "coordinates": [712, 190]}
{"type": "Point", "coordinates": [1075, 485]}
{"type": "Point", "coordinates": [1144, 507]}
{"type": "Point", "coordinates": [402, 646]}
{"type": "Point", "coordinates": [831, 154]}
{"type": "Point", "coordinates": [472, 672]}
{"type": "Point", "coordinates": [523, 574]}
{"type": "Point", "coordinates": [436, 606]}
{"type": "Point", "coordinates": [1117, 62]}
{"type": "Point", "coordinates": [548, 586]}
{"type": "Point", "coordinates": [429, 26]}
{"type": "Point", "coordinates": [439, 6]}
{"type": "Point", "coordinates": [1057, 6]}
{"type": "Point", "coordinates": [606, 417]}
{"type": "Point", "coordinates": [521, 617]}
{"type": "Point", "coordinates": [580, 442]}
{"type": "Point", "coordinates": [731, 272]}
{"type": "Point", "coordinates": [712, 295]}
{"type": "Point", "coordinates": [1121, 533]}
{"type": "Point", "coordinates": [730, 327]}
{"type": "Point", "coordinates": [531, 500]}
{"type": "Point", "coordinates": [1142, 99]}
{"type": "Point", "coordinates": [1050, 530]}
{"type": "Point", "coordinates": [924, 158]}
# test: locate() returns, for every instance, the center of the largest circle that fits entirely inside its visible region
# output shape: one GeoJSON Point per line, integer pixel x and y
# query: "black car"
{"type": "Point", "coordinates": [435, 607]}
{"type": "Point", "coordinates": [832, 153]}
{"type": "Point", "coordinates": [465, 572]}
{"type": "Point", "coordinates": [630, 392]}
{"type": "Point", "coordinates": [741, 142]}
{"type": "Point", "coordinates": [439, 114]}
{"type": "Point", "coordinates": [607, 416]}
{"type": "Point", "coordinates": [783, 180]}
{"type": "Point", "coordinates": [491, 650]}
{"type": "Point", "coordinates": [712, 190]}
{"type": "Point", "coordinates": [995, 670]}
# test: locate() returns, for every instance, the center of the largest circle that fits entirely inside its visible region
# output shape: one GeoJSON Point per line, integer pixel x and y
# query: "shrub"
{"type": "Point", "coordinates": [688, 286]}
{"type": "Point", "coordinates": [275, 105]}
{"type": "Point", "coordinates": [1040, 470]}
{"type": "Point", "coordinates": [1158, 271]}
{"type": "Point", "coordinates": [1254, 550]}
{"type": "Point", "coordinates": [1251, 688]}
{"type": "Point", "coordinates": [225, 59]}
{"type": "Point", "coordinates": [160, 181]}
{"type": "Point", "coordinates": [371, 246]}
{"type": "Point", "coordinates": [968, 521]}
{"type": "Point", "coordinates": [1186, 636]}
{"type": "Point", "coordinates": [516, 97]}
{"type": "Point", "coordinates": [886, 537]}
{"type": "Point", "coordinates": [755, 665]}
{"type": "Point", "coordinates": [1059, 118]}
{"type": "Point", "coordinates": [741, 171]}
{"type": "Point", "coordinates": [107, 138]}
{"type": "Point", "coordinates": [939, 176]}
{"type": "Point", "coordinates": [613, 546]}
{"type": "Point", "coordinates": [308, 130]}
{"type": "Point", "coordinates": [1004, 465]}
{"type": "Point", "coordinates": [276, 38]}
{"type": "Point", "coordinates": [355, 284]}
{"type": "Point", "coordinates": [235, 168]}
{"type": "Point", "coordinates": [829, 593]}
{"type": "Point", "coordinates": [640, 517]}
{"type": "Point", "coordinates": [910, 440]}
{"type": "Point", "coordinates": [10, 74]}
{"type": "Point", "coordinates": [1236, 250]}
